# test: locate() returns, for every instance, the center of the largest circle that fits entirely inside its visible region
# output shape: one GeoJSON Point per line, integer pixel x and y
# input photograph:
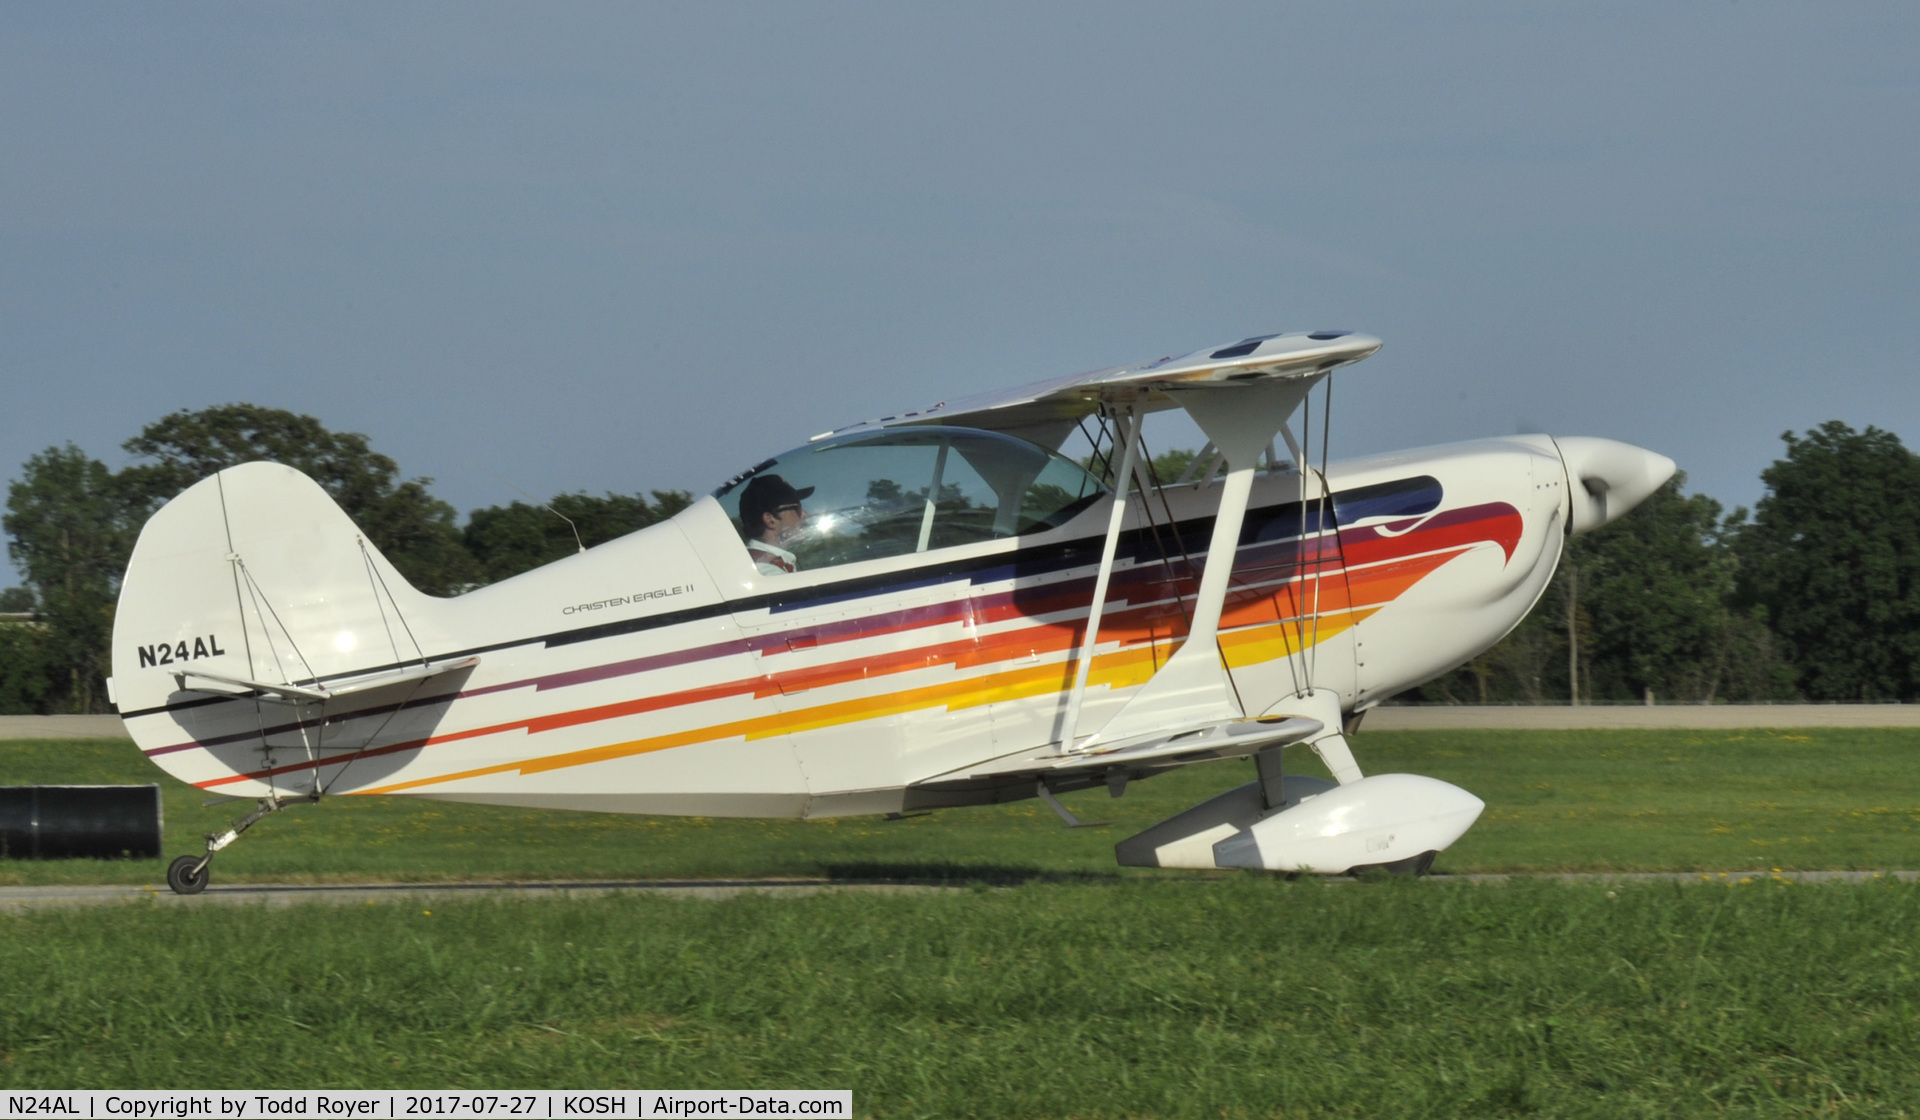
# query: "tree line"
{"type": "Point", "coordinates": [71, 524]}
{"type": "Point", "coordinates": [1814, 595]}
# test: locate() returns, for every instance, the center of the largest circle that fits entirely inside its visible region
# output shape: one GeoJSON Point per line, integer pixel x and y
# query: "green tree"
{"type": "Point", "coordinates": [24, 681]}
{"type": "Point", "coordinates": [1832, 561]}
{"type": "Point", "coordinates": [415, 530]}
{"type": "Point", "coordinates": [23, 670]}
{"type": "Point", "coordinates": [71, 525]}
{"type": "Point", "coordinates": [1166, 466]}
{"type": "Point", "coordinates": [507, 540]}
{"type": "Point", "coordinates": [1640, 609]}
{"type": "Point", "coordinates": [1654, 609]}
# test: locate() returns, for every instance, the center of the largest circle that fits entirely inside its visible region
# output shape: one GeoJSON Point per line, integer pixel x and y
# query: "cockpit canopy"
{"type": "Point", "coordinates": [904, 490]}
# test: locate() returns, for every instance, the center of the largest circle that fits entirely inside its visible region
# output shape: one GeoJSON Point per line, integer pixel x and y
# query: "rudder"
{"type": "Point", "coordinates": [255, 575]}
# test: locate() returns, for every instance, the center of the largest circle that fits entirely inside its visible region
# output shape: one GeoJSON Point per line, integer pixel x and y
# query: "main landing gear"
{"type": "Point", "coordinates": [189, 874]}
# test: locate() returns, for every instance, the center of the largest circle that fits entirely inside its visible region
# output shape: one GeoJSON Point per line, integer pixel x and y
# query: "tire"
{"type": "Point", "coordinates": [184, 879]}
{"type": "Point", "coordinates": [1413, 867]}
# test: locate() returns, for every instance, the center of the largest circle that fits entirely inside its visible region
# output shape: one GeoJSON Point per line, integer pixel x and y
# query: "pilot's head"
{"type": "Point", "coordinates": [770, 508]}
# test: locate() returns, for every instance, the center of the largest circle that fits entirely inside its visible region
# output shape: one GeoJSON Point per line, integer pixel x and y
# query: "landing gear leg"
{"type": "Point", "coordinates": [1273, 779]}
{"type": "Point", "coordinates": [189, 874]}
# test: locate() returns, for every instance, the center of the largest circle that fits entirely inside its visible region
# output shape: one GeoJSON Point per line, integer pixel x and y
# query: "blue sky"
{"type": "Point", "coordinates": [620, 247]}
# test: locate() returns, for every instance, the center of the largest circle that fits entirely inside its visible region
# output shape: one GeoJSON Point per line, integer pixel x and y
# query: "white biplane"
{"type": "Point", "coordinates": [928, 610]}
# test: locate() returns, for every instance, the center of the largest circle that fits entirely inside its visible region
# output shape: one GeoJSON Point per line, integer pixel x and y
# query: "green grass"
{"type": "Point", "coordinates": [1237, 996]}
{"type": "Point", "coordinates": [1585, 800]}
{"type": "Point", "coordinates": [1085, 990]}
{"type": "Point", "coordinates": [1674, 800]}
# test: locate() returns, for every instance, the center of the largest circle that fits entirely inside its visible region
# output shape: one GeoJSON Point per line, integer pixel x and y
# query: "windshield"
{"type": "Point", "coordinates": [898, 491]}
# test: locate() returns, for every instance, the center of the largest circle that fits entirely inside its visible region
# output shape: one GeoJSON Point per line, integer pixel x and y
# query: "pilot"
{"type": "Point", "coordinates": [771, 517]}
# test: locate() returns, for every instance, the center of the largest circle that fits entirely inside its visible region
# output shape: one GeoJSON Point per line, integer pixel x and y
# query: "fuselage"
{"type": "Point", "coordinates": [666, 673]}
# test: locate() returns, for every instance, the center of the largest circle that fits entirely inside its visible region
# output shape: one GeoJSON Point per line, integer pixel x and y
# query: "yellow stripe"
{"type": "Point", "coordinates": [1276, 640]}
{"type": "Point", "coordinates": [1119, 669]}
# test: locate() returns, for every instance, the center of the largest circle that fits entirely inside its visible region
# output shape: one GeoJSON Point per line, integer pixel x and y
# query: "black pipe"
{"type": "Point", "coordinates": [80, 822]}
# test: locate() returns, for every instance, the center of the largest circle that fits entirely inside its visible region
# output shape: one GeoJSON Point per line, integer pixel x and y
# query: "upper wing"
{"type": "Point", "coordinates": [1045, 411]}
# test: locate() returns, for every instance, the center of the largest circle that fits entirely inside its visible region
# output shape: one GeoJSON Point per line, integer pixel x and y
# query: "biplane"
{"type": "Point", "coordinates": [928, 610]}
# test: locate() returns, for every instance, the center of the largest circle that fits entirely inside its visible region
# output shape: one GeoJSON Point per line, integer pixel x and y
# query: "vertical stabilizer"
{"type": "Point", "coordinates": [255, 575]}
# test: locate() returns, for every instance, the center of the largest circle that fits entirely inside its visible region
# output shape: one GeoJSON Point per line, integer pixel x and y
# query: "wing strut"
{"type": "Point", "coordinates": [1192, 687]}
{"type": "Point", "coordinates": [1129, 423]}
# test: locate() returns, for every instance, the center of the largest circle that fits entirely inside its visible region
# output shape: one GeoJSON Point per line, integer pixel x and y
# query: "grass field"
{"type": "Point", "coordinates": [1243, 996]}
{"type": "Point", "coordinates": [1080, 989]}
{"type": "Point", "coordinates": [1589, 800]}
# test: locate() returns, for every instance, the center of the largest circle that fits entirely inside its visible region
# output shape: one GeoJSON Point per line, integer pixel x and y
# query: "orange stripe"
{"type": "Point", "coordinates": [1020, 683]}
{"type": "Point", "coordinates": [1120, 669]}
{"type": "Point", "coordinates": [1263, 628]}
{"type": "Point", "coordinates": [1383, 583]}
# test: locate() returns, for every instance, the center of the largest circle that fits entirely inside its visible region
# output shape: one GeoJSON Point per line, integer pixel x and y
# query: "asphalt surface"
{"type": "Point", "coordinates": [289, 894]}
{"type": "Point", "coordinates": [62, 727]}
{"type": "Point", "coordinates": [15, 899]}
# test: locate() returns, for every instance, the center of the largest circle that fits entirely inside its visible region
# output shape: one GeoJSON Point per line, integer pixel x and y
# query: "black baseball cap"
{"type": "Point", "coordinates": [768, 493]}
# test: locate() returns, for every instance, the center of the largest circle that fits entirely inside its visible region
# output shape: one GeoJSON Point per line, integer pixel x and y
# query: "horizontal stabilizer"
{"type": "Point", "coordinates": [318, 691]}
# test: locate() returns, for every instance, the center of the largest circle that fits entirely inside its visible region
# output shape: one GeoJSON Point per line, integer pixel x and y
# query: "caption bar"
{"type": "Point", "coordinates": [380, 1104]}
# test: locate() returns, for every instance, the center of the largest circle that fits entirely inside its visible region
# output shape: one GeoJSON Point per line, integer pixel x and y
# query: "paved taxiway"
{"type": "Point", "coordinates": [16, 899]}
{"type": "Point", "coordinates": [288, 894]}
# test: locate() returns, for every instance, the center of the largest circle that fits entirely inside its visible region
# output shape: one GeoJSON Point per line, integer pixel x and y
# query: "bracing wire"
{"type": "Point", "coordinates": [1300, 543]}
{"type": "Point", "coordinates": [260, 600]}
{"type": "Point", "coordinates": [373, 584]}
{"type": "Point", "coordinates": [418, 651]}
{"type": "Point", "coordinates": [312, 741]}
{"type": "Point", "coordinates": [240, 607]}
{"type": "Point", "coordinates": [1095, 455]}
{"type": "Point", "coordinates": [266, 633]}
{"type": "Point", "coordinates": [1320, 527]}
{"type": "Point", "coordinates": [1153, 524]}
{"type": "Point", "coordinates": [1152, 481]}
{"type": "Point", "coordinates": [1281, 596]}
{"type": "Point", "coordinates": [363, 748]}
{"type": "Point", "coordinates": [1173, 527]}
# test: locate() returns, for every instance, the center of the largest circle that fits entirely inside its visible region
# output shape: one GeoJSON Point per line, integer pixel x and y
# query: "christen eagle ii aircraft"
{"type": "Point", "coordinates": [928, 610]}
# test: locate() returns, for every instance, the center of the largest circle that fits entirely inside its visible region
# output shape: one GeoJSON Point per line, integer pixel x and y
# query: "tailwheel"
{"type": "Point", "coordinates": [189, 874]}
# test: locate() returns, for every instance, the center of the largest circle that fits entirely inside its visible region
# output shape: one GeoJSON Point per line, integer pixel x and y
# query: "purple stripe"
{"type": "Point", "coordinates": [1127, 587]}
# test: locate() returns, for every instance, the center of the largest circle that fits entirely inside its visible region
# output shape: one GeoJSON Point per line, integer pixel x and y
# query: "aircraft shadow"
{"type": "Point", "coordinates": [939, 871]}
